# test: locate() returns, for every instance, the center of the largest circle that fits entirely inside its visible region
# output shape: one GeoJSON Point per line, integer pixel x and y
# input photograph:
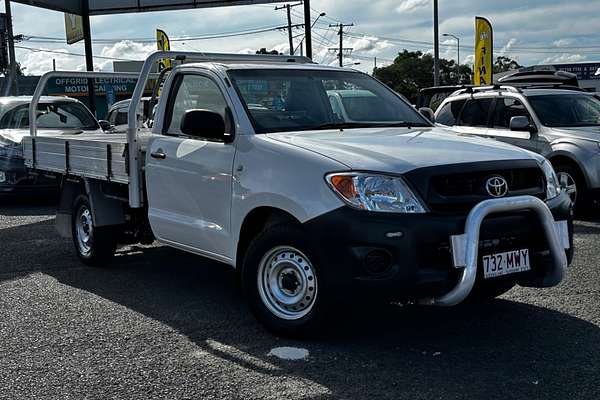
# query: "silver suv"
{"type": "Point", "coordinates": [561, 124]}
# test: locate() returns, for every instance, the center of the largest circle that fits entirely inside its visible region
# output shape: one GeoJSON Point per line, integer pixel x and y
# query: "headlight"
{"type": "Point", "coordinates": [552, 184]}
{"type": "Point", "coordinates": [380, 193]}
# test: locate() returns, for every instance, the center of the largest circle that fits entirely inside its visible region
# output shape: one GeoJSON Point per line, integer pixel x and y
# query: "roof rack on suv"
{"type": "Point", "coordinates": [492, 88]}
{"type": "Point", "coordinates": [540, 77]}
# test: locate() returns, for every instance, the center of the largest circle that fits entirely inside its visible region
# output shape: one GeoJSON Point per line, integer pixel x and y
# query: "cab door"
{"type": "Point", "coordinates": [189, 179]}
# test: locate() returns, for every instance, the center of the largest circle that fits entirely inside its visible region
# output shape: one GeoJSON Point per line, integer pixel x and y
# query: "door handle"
{"type": "Point", "coordinates": [158, 154]}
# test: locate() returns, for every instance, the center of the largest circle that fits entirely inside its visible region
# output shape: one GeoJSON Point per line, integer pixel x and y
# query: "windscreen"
{"type": "Point", "coordinates": [280, 100]}
{"type": "Point", "coordinates": [567, 110]}
{"type": "Point", "coordinates": [67, 115]}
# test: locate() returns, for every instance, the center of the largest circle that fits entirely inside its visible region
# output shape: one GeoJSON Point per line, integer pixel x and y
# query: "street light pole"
{"type": "Point", "coordinates": [457, 53]}
{"type": "Point", "coordinates": [12, 74]}
{"type": "Point", "coordinates": [436, 45]}
{"type": "Point", "coordinates": [305, 38]}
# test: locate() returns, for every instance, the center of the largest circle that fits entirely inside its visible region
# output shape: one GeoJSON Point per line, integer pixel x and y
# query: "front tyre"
{"type": "Point", "coordinates": [94, 246]}
{"type": "Point", "coordinates": [282, 283]}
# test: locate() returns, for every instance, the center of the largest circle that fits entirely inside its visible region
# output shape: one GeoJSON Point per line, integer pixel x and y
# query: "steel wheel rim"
{"type": "Point", "coordinates": [569, 184]}
{"type": "Point", "coordinates": [287, 283]}
{"type": "Point", "coordinates": [84, 230]}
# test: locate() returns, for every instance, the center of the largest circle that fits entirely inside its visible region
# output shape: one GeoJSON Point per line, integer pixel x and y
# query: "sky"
{"type": "Point", "coordinates": [531, 32]}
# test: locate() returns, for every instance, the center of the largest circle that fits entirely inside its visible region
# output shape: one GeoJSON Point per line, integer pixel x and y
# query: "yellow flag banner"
{"type": "Point", "coordinates": [484, 52]}
{"type": "Point", "coordinates": [163, 43]}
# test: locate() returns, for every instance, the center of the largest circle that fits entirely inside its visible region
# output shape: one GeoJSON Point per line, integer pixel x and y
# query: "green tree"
{"type": "Point", "coordinates": [504, 64]}
{"type": "Point", "coordinates": [413, 71]}
{"type": "Point", "coordinates": [265, 51]}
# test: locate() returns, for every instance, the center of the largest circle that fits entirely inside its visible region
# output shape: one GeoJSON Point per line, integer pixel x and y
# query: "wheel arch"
{"type": "Point", "coordinates": [255, 222]}
{"type": "Point", "coordinates": [563, 158]}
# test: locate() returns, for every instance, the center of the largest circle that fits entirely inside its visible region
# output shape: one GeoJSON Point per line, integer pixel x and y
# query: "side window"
{"type": "Point", "coordinates": [196, 92]}
{"type": "Point", "coordinates": [448, 115]}
{"type": "Point", "coordinates": [111, 117]}
{"type": "Point", "coordinates": [476, 113]}
{"type": "Point", "coordinates": [506, 108]}
{"type": "Point", "coordinates": [121, 117]}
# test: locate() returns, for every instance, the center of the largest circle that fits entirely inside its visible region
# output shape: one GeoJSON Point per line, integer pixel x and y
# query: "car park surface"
{"type": "Point", "coordinates": [165, 324]}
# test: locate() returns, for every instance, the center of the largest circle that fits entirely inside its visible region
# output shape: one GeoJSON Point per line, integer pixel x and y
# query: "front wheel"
{"type": "Point", "coordinates": [282, 282]}
{"type": "Point", "coordinates": [94, 245]}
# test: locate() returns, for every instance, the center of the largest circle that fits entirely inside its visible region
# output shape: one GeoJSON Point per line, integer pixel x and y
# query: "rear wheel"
{"type": "Point", "coordinates": [282, 282]}
{"type": "Point", "coordinates": [94, 245]}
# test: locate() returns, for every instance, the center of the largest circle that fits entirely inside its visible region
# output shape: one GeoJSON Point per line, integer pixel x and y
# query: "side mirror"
{"type": "Point", "coordinates": [204, 124]}
{"type": "Point", "coordinates": [521, 124]}
{"type": "Point", "coordinates": [427, 113]}
{"type": "Point", "coordinates": [105, 125]}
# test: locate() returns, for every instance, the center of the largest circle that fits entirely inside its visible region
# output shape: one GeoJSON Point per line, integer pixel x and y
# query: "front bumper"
{"type": "Point", "coordinates": [412, 257]}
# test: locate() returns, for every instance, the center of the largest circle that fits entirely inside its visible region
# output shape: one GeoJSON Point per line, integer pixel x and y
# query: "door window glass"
{"type": "Point", "coordinates": [505, 109]}
{"type": "Point", "coordinates": [449, 113]}
{"type": "Point", "coordinates": [476, 113]}
{"type": "Point", "coordinates": [196, 92]}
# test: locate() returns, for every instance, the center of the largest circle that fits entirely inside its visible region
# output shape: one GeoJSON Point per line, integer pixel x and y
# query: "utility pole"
{"type": "Point", "coordinates": [341, 34]}
{"type": "Point", "coordinates": [12, 75]}
{"type": "Point", "coordinates": [89, 56]}
{"type": "Point", "coordinates": [288, 8]}
{"type": "Point", "coordinates": [436, 45]}
{"type": "Point", "coordinates": [308, 29]}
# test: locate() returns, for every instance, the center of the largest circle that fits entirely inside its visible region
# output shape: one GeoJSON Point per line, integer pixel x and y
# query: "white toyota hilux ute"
{"type": "Point", "coordinates": [249, 164]}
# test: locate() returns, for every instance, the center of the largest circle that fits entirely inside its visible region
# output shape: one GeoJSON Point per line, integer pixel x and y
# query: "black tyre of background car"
{"type": "Point", "coordinates": [101, 245]}
{"type": "Point", "coordinates": [277, 237]}
{"type": "Point", "coordinates": [582, 202]}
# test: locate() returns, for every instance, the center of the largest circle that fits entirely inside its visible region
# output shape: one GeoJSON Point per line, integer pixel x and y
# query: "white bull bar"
{"type": "Point", "coordinates": [465, 247]}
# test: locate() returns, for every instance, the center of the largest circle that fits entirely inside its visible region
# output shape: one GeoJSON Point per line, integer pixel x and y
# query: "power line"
{"type": "Point", "coordinates": [36, 50]}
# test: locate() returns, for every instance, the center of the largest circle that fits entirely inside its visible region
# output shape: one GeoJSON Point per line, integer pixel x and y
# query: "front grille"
{"type": "Point", "coordinates": [458, 188]}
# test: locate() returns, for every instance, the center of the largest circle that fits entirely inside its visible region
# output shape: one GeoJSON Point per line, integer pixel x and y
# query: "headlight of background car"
{"type": "Point", "coordinates": [552, 183]}
{"type": "Point", "coordinates": [371, 192]}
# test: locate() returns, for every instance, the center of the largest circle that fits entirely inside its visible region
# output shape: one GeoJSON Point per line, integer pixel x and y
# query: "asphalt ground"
{"type": "Point", "coordinates": [163, 324]}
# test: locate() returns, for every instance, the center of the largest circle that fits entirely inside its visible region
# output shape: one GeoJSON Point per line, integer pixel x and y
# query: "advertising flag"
{"type": "Point", "coordinates": [484, 52]}
{"type": "Point", "coordinates": [163, 43]}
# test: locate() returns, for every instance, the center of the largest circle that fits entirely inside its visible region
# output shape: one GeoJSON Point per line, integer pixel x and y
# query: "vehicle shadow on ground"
{"type": "Point", "coordinates": [503, 349]}
{"type": "Point", "coordinates": [27, 206]}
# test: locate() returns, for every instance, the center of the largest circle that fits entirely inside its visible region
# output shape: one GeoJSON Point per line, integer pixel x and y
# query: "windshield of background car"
{"type": "Point", "coordinates": [65, 115]}
{"type": "Point", "coordinates": [298, 100]}
{"type": "Point", "coordinates": [567, 110]}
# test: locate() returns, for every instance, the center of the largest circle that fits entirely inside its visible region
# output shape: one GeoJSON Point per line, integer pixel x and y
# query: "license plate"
{"type": "Point", "coordinates": [511, 262]}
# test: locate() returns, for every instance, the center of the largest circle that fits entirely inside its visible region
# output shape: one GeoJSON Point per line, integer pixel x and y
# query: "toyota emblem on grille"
{"type": "Point", "coordinates": [496, 186]}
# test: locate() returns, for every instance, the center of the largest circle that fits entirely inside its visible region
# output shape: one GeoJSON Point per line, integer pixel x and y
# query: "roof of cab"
{"type": "Point", "coordinates": [265, 65]}
{"type": "Point", "coordinates": [43, 99]}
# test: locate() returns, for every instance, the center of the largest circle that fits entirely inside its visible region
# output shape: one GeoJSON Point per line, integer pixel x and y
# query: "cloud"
{"type": "Point", "coordinates": [370, 44]}
{"type": "Point", "coordinates": [509, 45]}
{"type": "Point", "coordinates": [409, 6]}
{"type": "Point", "coordinates": [562, 42]}
{"type": "Point", "coordinates": [40, 62]}
{"type": "Point", "coordinates": [564, 58]}
{"type": "Point", "coordinates": [125, 50]}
